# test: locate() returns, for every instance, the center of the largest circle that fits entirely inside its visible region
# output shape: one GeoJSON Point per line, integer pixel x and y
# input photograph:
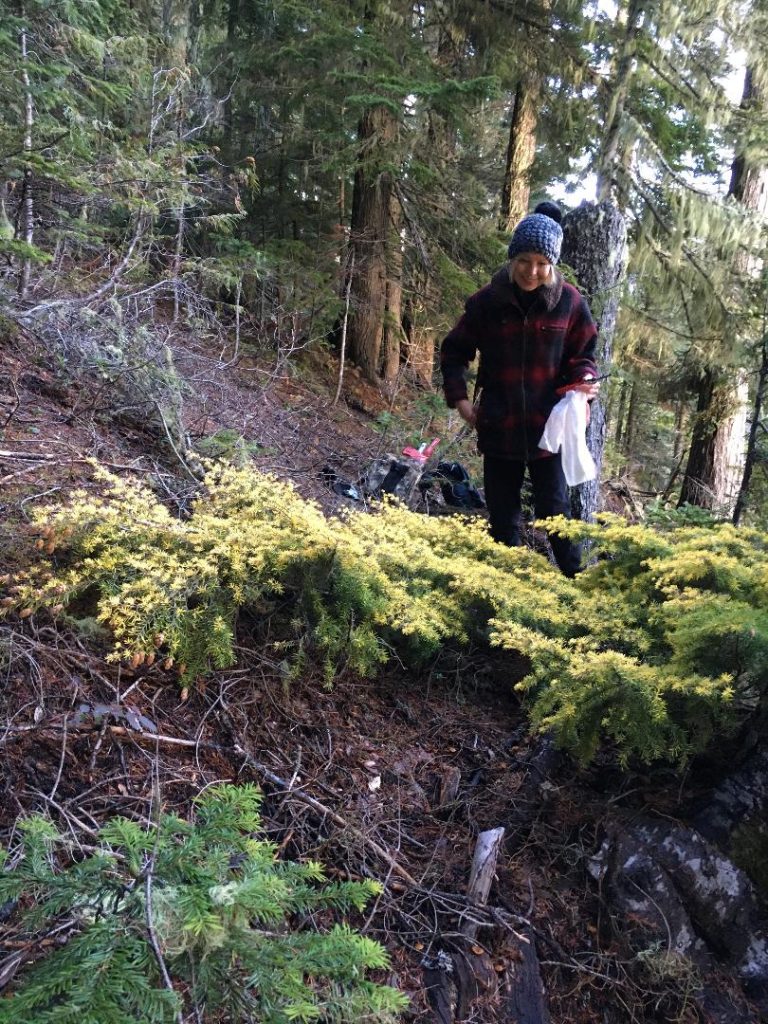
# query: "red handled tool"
{"type": "Point", "coordinates": [423, 452]}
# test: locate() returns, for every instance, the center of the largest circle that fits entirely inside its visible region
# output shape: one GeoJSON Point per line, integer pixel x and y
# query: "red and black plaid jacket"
{"type": "Point", "coordinates": [524, 359]}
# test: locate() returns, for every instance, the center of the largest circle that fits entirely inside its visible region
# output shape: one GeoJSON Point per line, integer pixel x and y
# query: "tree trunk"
{"type": "Point", "coordinates": [749, 183]}
{"type": "Point", "coordinates": [181, 217]}
{"type": "Point", "coordinates": [176, 18]}
{"type": "Point", "coordinates": [369, 235]}
{"type": "Point", "coordinates": [621, 408]}
{"type": "Point", "coordinates": [697, 484]}
{"type": "Point", "coordinates": [677, 451]}
{"type": "Point", "coordinates": [177, 259]}
{"type": "Point", "coordinates": [628, 435]}
{"type": "Point", "coordinates": [610, 156]}
{"type": "Point", "coordinates": [393, 321]}
{"type": "Point", "coordinates": [520, 151]}
{"type": "Point", "coordinates": [594, 237]}
{"type": "Point", "coordinates": [751, 453]}
{"type": "Point", "coordinates": [230, 150]}
{"type": "Point", "coordinates": [730, 445]}
{"type": "Point", "coordinates": [27, 204]}
{"type": "Point", "coordinates": [717, 456]}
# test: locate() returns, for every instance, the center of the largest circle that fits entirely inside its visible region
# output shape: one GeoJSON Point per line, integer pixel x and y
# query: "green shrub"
{"type": "Point", "coordinates": [187, 917]}
{"type": "Point", "coordinates": [660, 645]}
{"type": "Point", "coordinates": [171, 589]}
{"type": "Point", "coordinates": [670, 649]}
{"type": "Point", "coordinates": [660, 513]}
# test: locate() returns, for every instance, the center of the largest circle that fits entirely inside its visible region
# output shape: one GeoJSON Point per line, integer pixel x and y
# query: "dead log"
{"type": "Point", "coordinates": [740, 797]}
{"type": "Point", "coordinates": [454, 981]}
{"type": "Point", "coordinates": [685, 909]}
{"type": "Point", "coordinates": [523, 995]}
{"type": "Point", "coordinates": [438, 976]}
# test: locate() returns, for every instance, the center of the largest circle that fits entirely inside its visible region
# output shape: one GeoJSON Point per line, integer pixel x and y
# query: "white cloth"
{"type": "Point", "coordinates": [564, 432]}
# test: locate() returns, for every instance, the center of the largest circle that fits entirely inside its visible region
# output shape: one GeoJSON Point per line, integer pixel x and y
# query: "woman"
{"type": "Point", "coordinates": [536, 337]}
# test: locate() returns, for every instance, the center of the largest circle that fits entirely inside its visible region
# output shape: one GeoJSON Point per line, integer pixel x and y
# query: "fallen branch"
{"type": "Point", "coordinates": [22, 457]}
{"type": "Point", "coordinates": [46, 307]}
{"type": "Point", "coordinates": [21, 472]}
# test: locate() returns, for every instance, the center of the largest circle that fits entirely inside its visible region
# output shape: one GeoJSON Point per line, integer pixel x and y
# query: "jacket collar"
{"type": "Point", "coordinates": [503, 294]}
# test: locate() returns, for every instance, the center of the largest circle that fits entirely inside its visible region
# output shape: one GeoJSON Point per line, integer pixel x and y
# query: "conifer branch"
{"type": "Point", "coordinates": [49, 144]}
{"type": "Point", "coordinates": [412, 226]}
{"type": "Point", "coordinates": [661, 221]}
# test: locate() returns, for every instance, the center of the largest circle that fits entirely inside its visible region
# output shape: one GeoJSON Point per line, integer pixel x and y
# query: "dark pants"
{"type": "Point", "coordinates": [503, 479]}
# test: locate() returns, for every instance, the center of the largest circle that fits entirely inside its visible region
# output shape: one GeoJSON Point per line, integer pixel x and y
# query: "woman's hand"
{"type": "Point", "coordinates": [467, 411]}
{"type": "Point", "coordinates": [588, 387]}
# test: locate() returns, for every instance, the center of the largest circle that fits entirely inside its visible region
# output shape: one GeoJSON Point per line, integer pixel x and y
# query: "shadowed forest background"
{"type": "Point", "coordinates": [232, 237]}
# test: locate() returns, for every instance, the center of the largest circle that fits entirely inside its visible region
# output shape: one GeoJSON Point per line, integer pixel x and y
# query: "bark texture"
{"type": "Point", "coordinates": [688, 915]}
{"type": "Point", "coordinates": [594, 243]}
{"type": "Point", "coordinates": [717, 456]}
{"type": "Point", "coordinates": [697, 486]}
{"type": "Point", "coordinates": [393, 322]}
{"type": "Point", "coordinates": [371, 203]}
{"type": "Point", "coordinates": [521, 150]}
{"type": "Point", "coordinates": [750, 457]}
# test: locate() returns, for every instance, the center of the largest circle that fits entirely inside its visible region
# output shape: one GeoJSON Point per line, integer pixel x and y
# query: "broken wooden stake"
{"type": "Point", "coordinates": [482, 874]}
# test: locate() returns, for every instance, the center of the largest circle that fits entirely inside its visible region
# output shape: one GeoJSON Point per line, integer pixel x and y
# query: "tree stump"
{"type": "Point", "coordinates": [513, 993]}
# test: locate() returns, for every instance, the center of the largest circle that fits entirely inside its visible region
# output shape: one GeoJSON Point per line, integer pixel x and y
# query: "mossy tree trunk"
{"type": "Point", "coordinates": [393, 321]}
{"type": "Point", "coordinates": [621, 410]}
{"type": "Point", "coordinates": [28, 212]}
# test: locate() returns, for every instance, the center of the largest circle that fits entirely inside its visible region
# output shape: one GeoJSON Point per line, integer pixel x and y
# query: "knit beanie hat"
{"type": "Point", "coordinates": [539, 232]}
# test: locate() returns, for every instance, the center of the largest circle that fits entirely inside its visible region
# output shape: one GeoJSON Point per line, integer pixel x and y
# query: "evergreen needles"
{"type": "Point", "coordinates": [661, 645]}
{"type": "Point", "coordinates": [186, 916]}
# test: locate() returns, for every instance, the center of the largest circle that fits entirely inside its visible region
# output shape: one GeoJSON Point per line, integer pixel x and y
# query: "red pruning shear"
{"type": "Point", "coordinates": [577, 383]}
{"type": "Point", "coordinates": [423, 452]}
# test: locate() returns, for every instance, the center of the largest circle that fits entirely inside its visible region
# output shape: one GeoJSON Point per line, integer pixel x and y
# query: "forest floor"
{"type": "Point", "coordinates": [391, 779]}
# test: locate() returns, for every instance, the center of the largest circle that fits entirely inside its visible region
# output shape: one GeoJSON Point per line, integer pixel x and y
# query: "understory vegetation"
{"type": "Point", "coordinates": [660, 646]}
{"type": "Point", "coordinates": [246, 936]}
{"type": "Point", "coordinates": [232, 236]}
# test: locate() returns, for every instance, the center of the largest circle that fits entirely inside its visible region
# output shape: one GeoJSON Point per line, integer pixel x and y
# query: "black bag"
{"type": "Point", "coordinates": [456, 487]}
